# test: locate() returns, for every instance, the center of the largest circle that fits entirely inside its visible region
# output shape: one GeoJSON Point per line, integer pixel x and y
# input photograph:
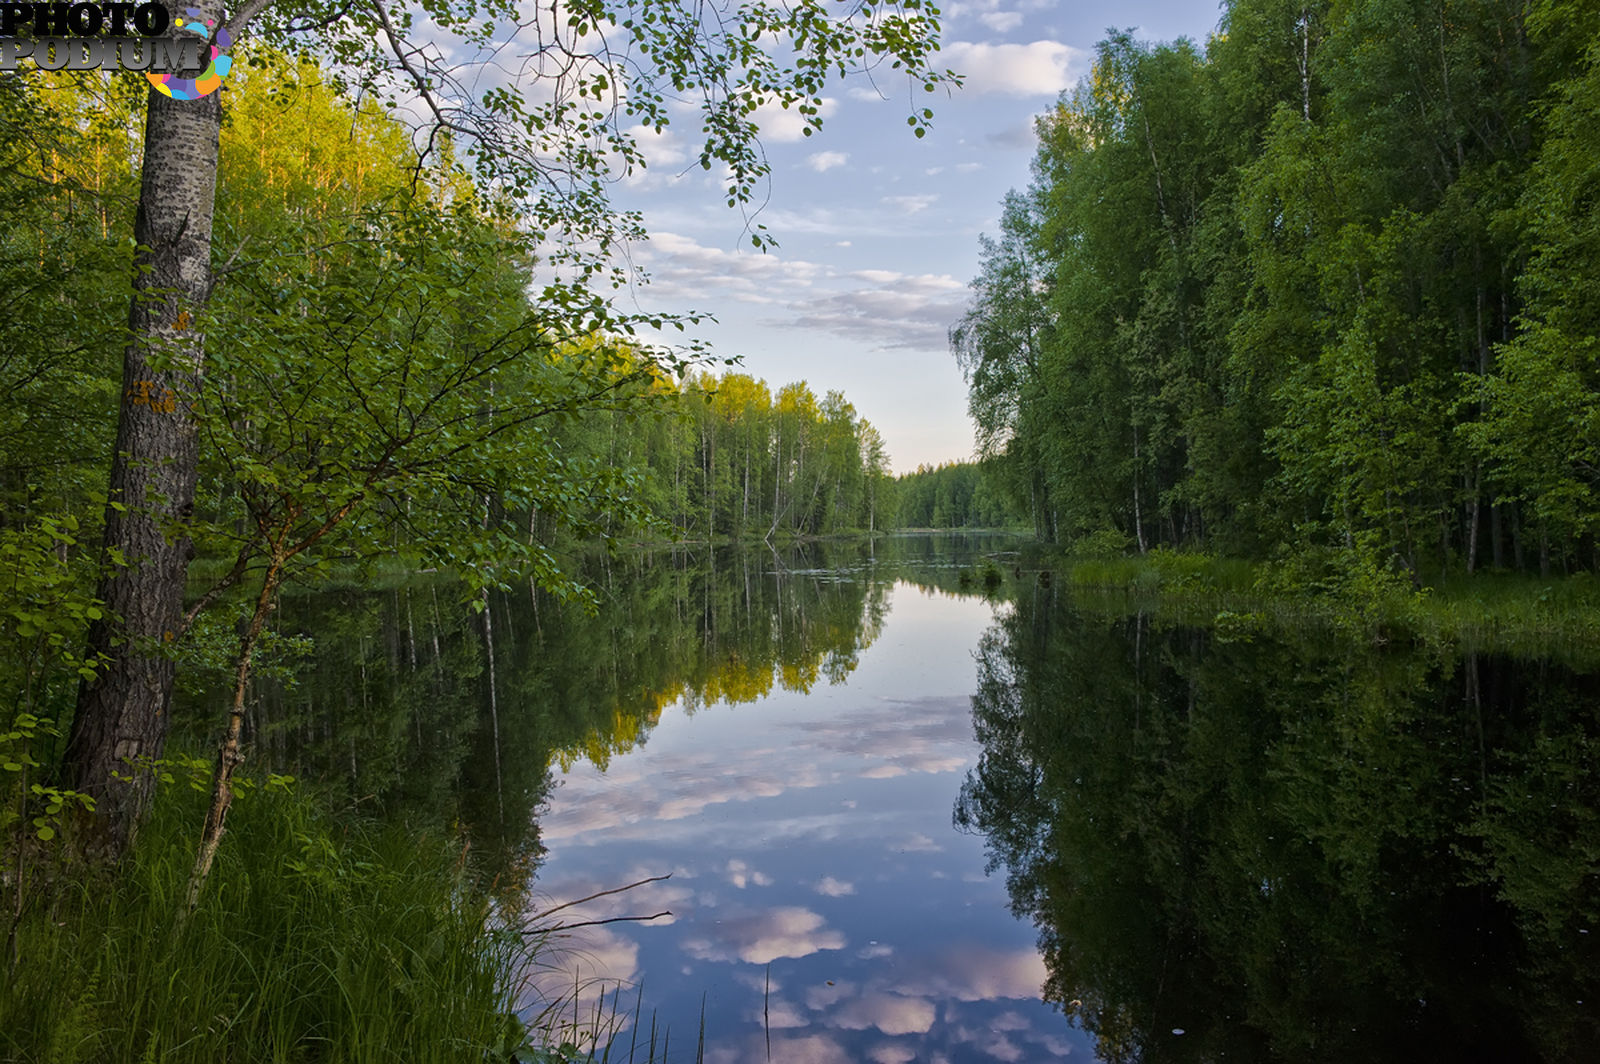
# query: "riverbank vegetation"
{"type": "Point", "coordinates": [1500, 612]}
{"type": "Point", "coordinates": [1322, 287]}
{"type": "Point", "coordinates": [347, 342]}
{"type": "Point", "coordinates": [318, 938]}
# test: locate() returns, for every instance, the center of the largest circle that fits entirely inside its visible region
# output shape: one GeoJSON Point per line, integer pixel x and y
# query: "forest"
{"type": "Point", "coordinates": [1323, 289]}
{"type": "Point", "coordinates": [360, 319]}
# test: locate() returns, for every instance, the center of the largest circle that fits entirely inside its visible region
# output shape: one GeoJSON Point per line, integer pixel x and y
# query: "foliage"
{"type": "Point", "coordinates": [43, 614]}
{"type": "Point", "coordinates": [1318, 287]}
{"type": "Point", "coordinates": [955, 495]}
{"type": "Point", "coordinates": [592, 80]}
{"type": "Point", "coordinates": [343, 942]}
{"type": "Point", "coordinates": [722, 457]}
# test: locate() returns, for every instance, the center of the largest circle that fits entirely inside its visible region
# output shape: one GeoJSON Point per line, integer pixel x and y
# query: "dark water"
{"type": "Point", "coordinates": [905, 821]}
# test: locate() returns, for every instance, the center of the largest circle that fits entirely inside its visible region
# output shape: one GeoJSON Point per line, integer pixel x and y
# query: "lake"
{"type": "Point", "coordinates": [891, 810]}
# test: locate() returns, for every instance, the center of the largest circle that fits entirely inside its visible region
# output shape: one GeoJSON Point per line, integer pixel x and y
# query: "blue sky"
{"type": "Point", "coordinates": [878, 231]}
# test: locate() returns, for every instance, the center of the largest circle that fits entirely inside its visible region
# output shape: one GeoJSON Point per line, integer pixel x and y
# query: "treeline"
{"type": "Point", "coordinates": [725, 457]}
{"type": "Point", "coordinates": [382, 387]}
{"type": "Point", "coordinates": [954, 495]}
{"type": "Point", "coordinates": [1324, 286]}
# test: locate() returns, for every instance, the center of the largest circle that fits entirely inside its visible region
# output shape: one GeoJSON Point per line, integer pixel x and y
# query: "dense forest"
{"type": "Point", "coordinates": [1324, 287]}
{"type": "Point", "coordinates": [362, 316]}
{"type": "Point", "coordinates": [725, 457]}
{"type": "Point", "coordinates": [691, 456]}
{"type": "Point", "coordinates": [315, 332]}
{"type": "Point", "coordinates": [954, 495]}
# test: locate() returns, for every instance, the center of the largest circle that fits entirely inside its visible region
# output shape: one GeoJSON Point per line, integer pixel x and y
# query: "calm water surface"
{"type": "Point", "coordinates": [907, 821]}
{"type": "Point", "coordinates": [819, 891]}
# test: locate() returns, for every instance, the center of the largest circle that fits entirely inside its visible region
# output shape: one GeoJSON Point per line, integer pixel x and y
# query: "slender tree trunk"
{"type": "Point", "coordinates": [121, 719]}
{"type": "Point", "coordinates": [1138, 518]}
{"type": "Point", "coordinates": [229, 755]}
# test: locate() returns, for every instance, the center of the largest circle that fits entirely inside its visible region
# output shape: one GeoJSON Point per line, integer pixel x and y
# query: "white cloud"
{"type": "Point", "coordinates": [596, 960]}
{"type": "Point", "coordinates": [910, 204]}
{"type": "Point", "coordinates": [742, 875]}
{"type": "Point", "coordinates": [1042, 68]}
{"type": "Point", "coordinates": [820, 997]}
{"type": "Point", "coordinates": [812, 1049]}
{"type": "Point", "coordinates": [834, 888]}
{"type": "Point", "coordinates": [892, 1053]}
{"type": "Point", "coordinates": [665, 148]}
{"type": "Point", "coordinates": [919, 843]}
{"type": "Point", "coordinates": [778, 1013]}
{"type": "Point", "coordinates": [823, 161]}
{"type": "Point", "coordinates": [1001, 21]}
{"type": "Point", "coordinates": [664, 895]}
{"type": "Point", "coordinates": [889, 1013]}
{"type": "Point", "coordinates": [786, 125]}
{"type": "Point", "coordinates": [633, 799]}
{"type": "Point", "coordinates": [897, 311]}
{"type": "Point", "coordinates": [977, 973]}
{"type": "Point", "coordinates": [1003, 1048]}
{"type": "Point", "coordinates": [759, 938]}
{"type": "Point", "coordinates": [687, 273]}
{"type": "Point", "coordinates": [1001, 16]}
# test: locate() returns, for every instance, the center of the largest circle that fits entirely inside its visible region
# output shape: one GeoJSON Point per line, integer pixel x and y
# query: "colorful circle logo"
{"type": "Point", "coordinates": [210, 79]}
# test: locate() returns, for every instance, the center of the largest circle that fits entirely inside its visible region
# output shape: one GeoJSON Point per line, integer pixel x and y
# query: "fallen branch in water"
{"type": "Point", "coordinates": [596, 923]}
{"type": "Point", "coordinates": [593, 923]}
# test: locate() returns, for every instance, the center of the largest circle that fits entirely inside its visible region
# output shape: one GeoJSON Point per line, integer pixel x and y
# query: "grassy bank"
{"type": "Point", "coordinates": [1490, 611]}
{"type": "Point", "coordinates": [314, 941]}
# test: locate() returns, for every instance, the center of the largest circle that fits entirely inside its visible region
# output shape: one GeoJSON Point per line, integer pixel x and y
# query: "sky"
{"type": "Point", "coordinates": [877, 230]}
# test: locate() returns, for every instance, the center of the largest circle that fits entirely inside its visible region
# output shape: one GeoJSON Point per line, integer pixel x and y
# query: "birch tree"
{"type": "Point", "coordinates": [546, 106]}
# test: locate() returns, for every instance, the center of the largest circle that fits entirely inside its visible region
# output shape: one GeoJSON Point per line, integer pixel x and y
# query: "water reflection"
{"type": "Point", "coordinates": [1278, 846]}
{"type": "Point", "coordinates": [1232, 842]}
{"type": "Point", "coordinates": [821, 899]}
{"type": "Point", "coordinates": [412, 703]}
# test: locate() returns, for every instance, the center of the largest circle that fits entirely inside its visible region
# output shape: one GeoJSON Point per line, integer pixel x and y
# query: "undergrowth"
{"type": "Point", "coordinates": [314, 941]}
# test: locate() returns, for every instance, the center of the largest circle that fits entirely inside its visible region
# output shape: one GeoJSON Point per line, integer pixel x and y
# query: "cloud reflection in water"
{"type": "Point", "coordinates": [820, 893]}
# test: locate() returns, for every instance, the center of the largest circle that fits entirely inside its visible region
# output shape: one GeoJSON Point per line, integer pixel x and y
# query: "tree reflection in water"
{"type": "Point", "coordinates": [393, 706]}
{"type": "Point", "coordinates": [1260, 844]}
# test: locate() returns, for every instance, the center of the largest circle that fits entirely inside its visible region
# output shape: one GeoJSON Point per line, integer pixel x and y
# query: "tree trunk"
{"type": "Point", "coordinates": [229, 754]}
{"type": "Point", "coordinates": [121, 717]}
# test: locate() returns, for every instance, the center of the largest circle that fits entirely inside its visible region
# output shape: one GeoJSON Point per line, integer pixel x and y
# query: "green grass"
{"type": "Point", "coordinates": [314, 941]}
{"type": "Point", "coordinates": [1514, 613]}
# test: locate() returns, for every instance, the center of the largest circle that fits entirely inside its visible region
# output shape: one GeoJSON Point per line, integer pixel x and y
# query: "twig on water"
{"type": "Point", "coordinates": [595, 923]}
{"type": "Point", "coordinates": [600, 894]}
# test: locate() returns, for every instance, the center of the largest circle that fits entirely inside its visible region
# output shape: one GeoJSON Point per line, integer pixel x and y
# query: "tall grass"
{"type": "Point", "coordinates": [314, 941]}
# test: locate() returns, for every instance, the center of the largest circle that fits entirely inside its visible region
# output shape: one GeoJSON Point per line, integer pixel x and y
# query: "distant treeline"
{"type": "Point", "coordinates": [1327, 284]}
{"type": "Point", "coordinates": [954, 495]}
{"type": "Point", "coordinates": [724, 457]}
